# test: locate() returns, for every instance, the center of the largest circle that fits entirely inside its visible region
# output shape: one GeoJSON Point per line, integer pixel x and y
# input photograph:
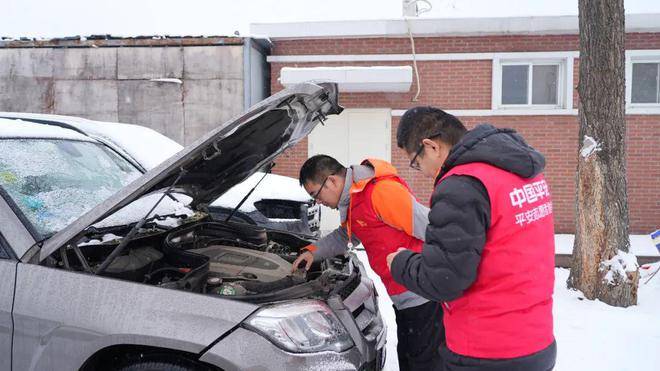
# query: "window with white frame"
{"type": "Point", "coordinates": [645, 87]}
{"type": "Point", "coordinates": [530, 84]}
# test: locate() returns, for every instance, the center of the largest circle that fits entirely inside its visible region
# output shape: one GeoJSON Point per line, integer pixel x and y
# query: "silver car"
{"type": "Point", "coordinates": [147, 279]}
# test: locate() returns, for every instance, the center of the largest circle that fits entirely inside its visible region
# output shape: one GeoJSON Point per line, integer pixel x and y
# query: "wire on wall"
{"type": "Point", "coordinates": [418, 11]}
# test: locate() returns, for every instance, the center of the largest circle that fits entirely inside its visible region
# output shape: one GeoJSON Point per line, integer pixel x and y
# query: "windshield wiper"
{"type": "Point", "coordinates": [272, 165]}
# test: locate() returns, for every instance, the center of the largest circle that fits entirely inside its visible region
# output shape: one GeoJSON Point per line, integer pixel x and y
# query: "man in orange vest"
{"type": "Point", "coordinates": [378, 210]}
{"type": "Point", "coordinates": [489, 250]}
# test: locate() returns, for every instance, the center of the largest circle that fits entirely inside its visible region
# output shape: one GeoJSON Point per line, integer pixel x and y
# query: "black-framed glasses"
{"type": "Point", "coordinates": [316, 194]}
{"type": "Point", "coordinates": [413, 163]}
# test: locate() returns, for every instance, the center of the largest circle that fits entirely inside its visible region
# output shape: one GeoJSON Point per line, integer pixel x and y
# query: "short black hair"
{"type": "Point", "coordinates": [423, 122]}
{"type": "Point", "coordinates": [318, 167]}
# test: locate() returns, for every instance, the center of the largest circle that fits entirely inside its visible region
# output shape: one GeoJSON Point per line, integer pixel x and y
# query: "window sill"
{"type": "Point", "coordinates": [645, 109]}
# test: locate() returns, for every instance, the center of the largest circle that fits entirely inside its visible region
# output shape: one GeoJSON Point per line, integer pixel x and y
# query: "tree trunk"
{"type": "Point", "coordinates": [602, 268]}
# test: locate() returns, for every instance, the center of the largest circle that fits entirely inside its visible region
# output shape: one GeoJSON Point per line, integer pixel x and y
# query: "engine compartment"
{"type": "Point", "coordinates": [232, 260]}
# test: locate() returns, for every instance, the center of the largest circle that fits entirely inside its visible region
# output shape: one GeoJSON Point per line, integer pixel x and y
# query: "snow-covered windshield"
{"type": "Point", "coordinates": [54, 181]}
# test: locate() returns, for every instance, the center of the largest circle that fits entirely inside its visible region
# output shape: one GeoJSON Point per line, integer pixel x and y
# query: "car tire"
{"type": "Point", "coordinates": [157, 366]}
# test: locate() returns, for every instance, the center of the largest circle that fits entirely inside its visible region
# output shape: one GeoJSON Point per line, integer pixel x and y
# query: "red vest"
{"type": "Point", "coordinates": [378, 238]}
{"type": "Point", "coordinates": [507, 311]}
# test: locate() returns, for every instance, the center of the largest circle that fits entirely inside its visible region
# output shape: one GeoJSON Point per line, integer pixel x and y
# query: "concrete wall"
{"type": "Point", "coordinates": [114, 84]}
{"type": "Point", "coordinates": [258, 73]}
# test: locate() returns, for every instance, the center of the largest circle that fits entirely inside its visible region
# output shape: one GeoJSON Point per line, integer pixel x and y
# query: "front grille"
{"type": "Point", "coordinates": [349, 286]}
{"type": "Point", "coordinates": [362, 301]}
{"type": "Point", "coordinates": [363, 318]}
{"type": "Point", "coordinates": [367, 318]}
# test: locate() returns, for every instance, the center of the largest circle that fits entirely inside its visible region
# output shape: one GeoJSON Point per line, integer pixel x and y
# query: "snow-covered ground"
{"type": "Point", "coordinates": [640, 244]}
{"type": "Point", "coordinates": [594, 336]}
{"type": "Point", "coordinates": [386, 310]}
{"type": "Point", "coordinates": [590, 334]}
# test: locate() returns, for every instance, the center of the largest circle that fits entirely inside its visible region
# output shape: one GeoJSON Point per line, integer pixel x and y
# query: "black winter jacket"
{"type": "Point", "coordinates": [460, 215]}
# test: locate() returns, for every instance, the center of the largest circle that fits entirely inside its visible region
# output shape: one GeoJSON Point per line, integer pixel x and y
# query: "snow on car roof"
{"type": "Point", "coordinates": [10, 128]}
{"type": "Point", "coordinates": [145, 145]}
{"type": "Point", "coordinates": [150, 148]}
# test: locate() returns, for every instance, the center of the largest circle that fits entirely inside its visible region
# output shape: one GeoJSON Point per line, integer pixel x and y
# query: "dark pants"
{"type": "Point", "coordinates": [420, 333]}
{"type": "Point", "coordinates": [543, 360]}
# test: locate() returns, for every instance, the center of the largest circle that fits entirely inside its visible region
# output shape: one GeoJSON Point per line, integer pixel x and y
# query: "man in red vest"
{"type": "Point", "coordinates": [489, 250]}
{"type": "Point", "coordinates": [378, 210]}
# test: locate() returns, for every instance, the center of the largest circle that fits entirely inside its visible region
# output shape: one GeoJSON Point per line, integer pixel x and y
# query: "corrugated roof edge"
{"type": "Point", "coordinates": [95, 41]}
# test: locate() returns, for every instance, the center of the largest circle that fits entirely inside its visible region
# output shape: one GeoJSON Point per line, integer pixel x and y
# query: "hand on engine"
{"type": "Point", "coordinates": [307, 257]}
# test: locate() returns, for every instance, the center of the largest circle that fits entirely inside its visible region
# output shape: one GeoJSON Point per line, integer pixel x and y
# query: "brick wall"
{"type": "Point", "coordinates": [448, 84]}
{"type": "Point", "coordinates": [467, 85]}
{"type": "Point", "coordinates": [482, 44]}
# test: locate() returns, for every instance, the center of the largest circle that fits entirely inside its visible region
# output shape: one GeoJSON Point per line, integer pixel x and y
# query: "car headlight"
{"type": "Point", "coordinates": [301, 327]}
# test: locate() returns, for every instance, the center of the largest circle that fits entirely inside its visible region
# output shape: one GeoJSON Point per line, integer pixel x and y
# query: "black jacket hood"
{"type": "Point", "coordinates": [502, 148]}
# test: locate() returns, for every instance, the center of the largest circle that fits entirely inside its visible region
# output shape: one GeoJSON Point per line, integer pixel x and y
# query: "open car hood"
{"type": "Point", "coordinates": [224, 157]}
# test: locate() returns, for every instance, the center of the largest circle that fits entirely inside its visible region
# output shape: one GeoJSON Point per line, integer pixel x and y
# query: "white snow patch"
{"type": "Point", "coordinates": [589, 147]}
{"type": "Point", "coordinates": [170, 222]}
{"type": "Point", "coordinates": [137, 210]}
{"type": "Point", "coordinates": [275, 187]}
{"type": "Point", "coordinates": [106, 237]}
{"type": "Point", "coordinates": [618, 266]}
{"type": "Point", "coordinates": [146, 146]}
{"type": "Point", "coordinates": [10, 128]}
{"type": "Point", "coordinates": [386, 311]}
{"type": "Point", "coordinates": [170, 80]}
{"type": "Point", "coordinates": [640, 244]}
{"type": "Point", "coordinates": [592, 335]}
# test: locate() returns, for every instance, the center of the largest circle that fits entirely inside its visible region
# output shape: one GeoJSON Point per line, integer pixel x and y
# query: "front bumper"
{"type": "Point", "coordinates": [360, 315]}
{"type": "Point", "coordinates": [247, 350]}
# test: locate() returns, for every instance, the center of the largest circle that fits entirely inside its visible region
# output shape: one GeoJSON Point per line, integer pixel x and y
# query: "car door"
{"type": "Point", "coordinates": [15, 240]}
{"type": "Point", "coordinates": [7, 283]}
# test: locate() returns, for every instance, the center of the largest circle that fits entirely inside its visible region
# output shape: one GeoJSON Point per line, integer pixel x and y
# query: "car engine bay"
{"type": "Point", "coordinates": [231, 260]}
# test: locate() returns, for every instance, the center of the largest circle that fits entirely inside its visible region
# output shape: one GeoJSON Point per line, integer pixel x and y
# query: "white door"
{"type": "Point", "coordinates": [351, 137]}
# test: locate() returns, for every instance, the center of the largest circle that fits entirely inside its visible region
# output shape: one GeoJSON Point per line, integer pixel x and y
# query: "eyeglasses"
{"type": "Point", "coordinates": [316, 194]}
{"type": "Point", "coordinates": [413, 163]}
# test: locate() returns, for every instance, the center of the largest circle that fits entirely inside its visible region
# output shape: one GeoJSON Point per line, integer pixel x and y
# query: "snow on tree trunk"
{"type": "Point", "coordinates": [602, 268]}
